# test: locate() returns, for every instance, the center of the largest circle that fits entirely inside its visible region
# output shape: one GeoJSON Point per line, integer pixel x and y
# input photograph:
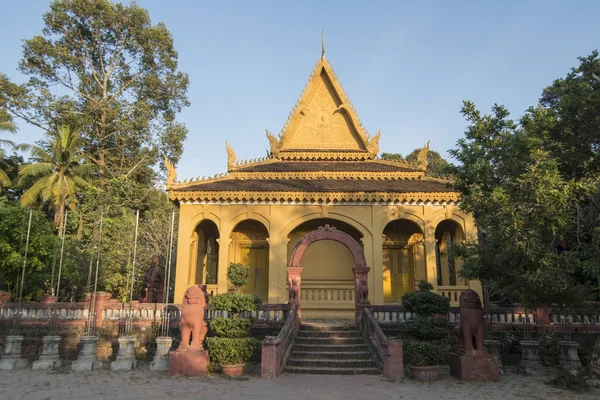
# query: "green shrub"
{"type": "Point", "coordinates": [231, 327]}
{"type": "Point", "coordinates": [422, 354]}
{"type": "Point", "coordinates": [229, 351]}
{"type": "Point", "coordinates": [425, 286]}
{"type": "Point", "coordinates": [238, 274]}
{"type": "Point", "coordinates": [234, 303]}
{"type": "Point", "coordinates": [426, 303]}
{"type": "Point", "coordinates": [421, 328]}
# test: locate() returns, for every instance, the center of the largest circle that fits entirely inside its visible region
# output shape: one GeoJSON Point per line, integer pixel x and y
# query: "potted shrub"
{"type": "Point", "coordinates": [230, 345]}
{"type": "Point", "coordinates": [425, 333]}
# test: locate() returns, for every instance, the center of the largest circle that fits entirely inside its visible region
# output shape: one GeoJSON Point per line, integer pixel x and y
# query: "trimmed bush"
{"type": "Point", "coordinates": [421, 328]}
{"type": "Point", "coordinates": [238, 274]}
{"type": "Point", "coordinates": [231, 327]}
{"type": "Point", "coordinates": [235, 303]}
{"type": "Point", "coordinates": [422, 354]}
{"type": "Point", "coordinates": [426, 303]}
{"type": "Point", "coordinates": [229, 351]}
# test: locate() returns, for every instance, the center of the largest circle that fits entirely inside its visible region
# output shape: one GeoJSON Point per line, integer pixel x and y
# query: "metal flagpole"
{"type": "Point", "coordinates": [62, 250]}
{"type": "Point", "coordinates": [17, 324]}
{"type": "Point", "coordinates": [170, 258]}
{"type": "Point", "coordinates": [92, 323]}
{"type": "Point", "coordinates": [128, 327]}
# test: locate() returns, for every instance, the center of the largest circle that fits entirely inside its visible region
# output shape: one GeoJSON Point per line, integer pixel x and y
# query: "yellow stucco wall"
{"type": "Point", "coordinates": [281, 219]}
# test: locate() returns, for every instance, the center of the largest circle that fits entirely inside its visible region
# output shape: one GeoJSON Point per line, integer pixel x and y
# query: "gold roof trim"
{"type": "Point", "coordinates": [309, 197]}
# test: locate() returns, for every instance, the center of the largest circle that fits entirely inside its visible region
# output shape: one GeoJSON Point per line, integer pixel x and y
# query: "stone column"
{"type": "Point", "coordinates": [161, 356]}
{"type": "Point", "coordinates": [12, 356]}
{"type": "Point", "coordinates": [360, 273]}
{"type": "Point", "coordinates": [125, 360]}
{"type": "Point", "coordinates": [277, 264]}
{"type": "Point", "coordinates": [430, 259]}
{"type": "Point", "coordinates": [568, 355]}
{"type": "Point", "coordinates": [530, 357]}
{"type": "Point", "coordinates": [224, 242]}
{"type": "Point", "coordinates": [88, 357]}
{"type": "Point", "coordinates": [295, 273]}
{"type": "Point", "coordinates": [50, 358]}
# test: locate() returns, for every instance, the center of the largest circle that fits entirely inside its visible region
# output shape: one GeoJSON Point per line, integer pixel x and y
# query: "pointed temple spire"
{"type": "Point", "coordinates": [322, 44]}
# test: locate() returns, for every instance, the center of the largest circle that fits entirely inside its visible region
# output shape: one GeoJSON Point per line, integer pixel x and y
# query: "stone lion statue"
{"type": "Point", "coordinates": [294, 294]}
{"type": "Point", "coordinates": [471, 328]}
{"type": "Point", "coordinates": [363, 291]}
{"type": "Point", "coordinates": [193, 321]}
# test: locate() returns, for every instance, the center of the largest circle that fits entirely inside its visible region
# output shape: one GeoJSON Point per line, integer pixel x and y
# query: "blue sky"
{"type": "Point", "coordinates": [406, 66]}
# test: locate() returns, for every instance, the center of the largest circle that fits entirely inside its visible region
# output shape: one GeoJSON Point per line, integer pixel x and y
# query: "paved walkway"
{"type": "Point", "coordinates": [145, 385]}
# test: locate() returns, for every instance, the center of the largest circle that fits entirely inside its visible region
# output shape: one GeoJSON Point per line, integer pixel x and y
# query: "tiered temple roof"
{"type": "Point", "coordinates": [322, 154]}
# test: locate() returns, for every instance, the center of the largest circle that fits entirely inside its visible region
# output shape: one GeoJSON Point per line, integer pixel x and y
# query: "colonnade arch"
{"type": "Point", "coordinates": [448, 232]}
{"type": "Point", "coordinates": [250, 246]}
{"type": "Point", "coordinates": [205, 254]}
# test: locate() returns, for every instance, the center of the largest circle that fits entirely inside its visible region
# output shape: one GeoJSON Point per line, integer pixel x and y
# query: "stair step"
{"type": "Point", "coordinates": [330, 333]}
{"type": "Point", "coordinates": [332, 355]}
{"type": "Point", "coordinates": [327, 327]}
{"type": "Point", "coordinates": [329, 340]}
{"type": "Point", "coordinates": [330, 347]}
{"type": "Point", "coordinates": [332, 371]}
{"type": "Point", "coordinates": [319, 363]}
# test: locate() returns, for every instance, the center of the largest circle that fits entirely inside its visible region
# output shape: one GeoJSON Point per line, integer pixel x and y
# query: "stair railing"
{"type": "Point", "coordinates": [389, 351]}
{"type": "Point", "coordinates": [277, 349]}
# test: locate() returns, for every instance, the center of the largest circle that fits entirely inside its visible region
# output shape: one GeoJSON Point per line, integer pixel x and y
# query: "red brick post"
{"type": "Point", "coordinates": [393, 366]}
{"type": "Point", "coordinates": [360, 273]}
{"type": "Point", "coordinates": [4, 297]}
{"type": "Point", "coordinates": [101, 299]}
{"type": "Point", "coordinates": [271, 354]}
{"type": "Point", "coordinates": [542, 315]}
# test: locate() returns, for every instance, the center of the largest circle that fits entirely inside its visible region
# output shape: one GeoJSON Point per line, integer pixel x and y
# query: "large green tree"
{"type": "Point", "coordinates": [533, 189]}
{"type": "Point", "coordinates": [5, 126]}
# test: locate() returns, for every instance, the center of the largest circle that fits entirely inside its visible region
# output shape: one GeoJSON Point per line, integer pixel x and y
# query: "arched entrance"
{"type": "Point", "coordinates": [331, 300]}
{"type": "Point", "coordinates": [450, 284]}
{"type": "Point", "coordinates": [403, 256]}
{"type": "Point", "coordinates": [250, 246]}
{"type": "Point", "coordinates": [205, 258]}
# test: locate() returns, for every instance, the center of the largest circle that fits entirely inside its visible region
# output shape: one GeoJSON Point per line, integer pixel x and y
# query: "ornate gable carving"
{"type": "Point", "coordinates": [323, 119]}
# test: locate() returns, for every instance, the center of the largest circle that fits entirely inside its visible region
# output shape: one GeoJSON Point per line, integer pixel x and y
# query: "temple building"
{"type": "Point", "coordinates": [322, 170]}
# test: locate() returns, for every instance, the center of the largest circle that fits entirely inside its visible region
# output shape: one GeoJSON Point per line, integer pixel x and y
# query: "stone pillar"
{"type": "Point", "coordinates": [568, 355]}
{"type": "Point", "coordinates": [530, 357]}
{"type": "Point", "coordinates": [271, 356]}
{"type": "Point", "coordinates": [277, 264]}
{"type": "Point", "coordinates": [50, 358]}
{"type": "Point", "coordinates": [161, 356]}
{"type": "Point", "coordinates": [295, 273]}
{"type": "Point", "coordinates": [430, 258]}
{"type": "Point", "coordinates": [223, 263]}
{"type": "Point", "coordinates": [12, 356]}
{"type": "Point", "coordinates": [101, 299]}
{"type": "Point", "coordinates": [494, 348]}
{"type": "Point", "coordinates": [88, 357]}
{"type": "Point", "coordinates": [125, 360]}
{"type": "Point", "coordinates": [360, 273]}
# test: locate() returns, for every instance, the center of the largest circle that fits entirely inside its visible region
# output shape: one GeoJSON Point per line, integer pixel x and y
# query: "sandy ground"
{"type": "Point", "coordinates": [143, 384]}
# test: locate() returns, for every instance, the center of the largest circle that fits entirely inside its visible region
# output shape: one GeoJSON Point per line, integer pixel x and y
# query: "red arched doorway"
{"type": "Point", "coordinates": [330, 299]}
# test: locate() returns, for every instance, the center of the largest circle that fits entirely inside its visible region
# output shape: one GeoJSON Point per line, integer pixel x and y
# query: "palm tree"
{"type": "Point", "coordinates": [8, 127]}
{"type": "Point", "coordinates": [61, 170]}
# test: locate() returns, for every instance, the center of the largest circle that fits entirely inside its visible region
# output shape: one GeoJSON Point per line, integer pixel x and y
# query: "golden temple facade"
{"type": "Point", "coordinates": [322, 169]}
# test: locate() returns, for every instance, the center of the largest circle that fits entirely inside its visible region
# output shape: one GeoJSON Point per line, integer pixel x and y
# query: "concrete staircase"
{"type": "Point", "coordinates": [331, 348]}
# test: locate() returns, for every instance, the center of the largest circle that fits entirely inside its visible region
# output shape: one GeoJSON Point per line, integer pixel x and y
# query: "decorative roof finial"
{"type": "Point", "coordinates": [322, 44]}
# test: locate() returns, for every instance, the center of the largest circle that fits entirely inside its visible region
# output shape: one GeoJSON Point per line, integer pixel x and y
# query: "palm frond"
{"type": "Point", "coordinates": [8, 126]}
{"type": "Point", "coordinates": [30, 196]}
{"type": "Point", "coordinates": [7, 143]}
{"type": "Point", "coordinates": [4, 179]}
{"type": "Point", "coordinates": [35, 170]}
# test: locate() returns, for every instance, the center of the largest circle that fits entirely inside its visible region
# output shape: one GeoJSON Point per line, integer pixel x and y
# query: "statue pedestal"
{"type": "Point", "coordinates": [188, 362]}
{"type": "Point", "coordinates": [125, 360]}
{"type": "Point", "coordinates": [12, 357]}
{"type": "Point", "coordinates": [87, 359]}
{"type": "Point", "coordinates": [568, 355]}
{"type": "Point", "coordinates": [474, 368]}
{"type": "Point", "coordinates": [494, 349]}
{"type": "Point", "coordinates": [161, 356]}
{"type": "Point", "coordinates": [530, 357]}
{"type": "Point", "coordinates": [50, 358]}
